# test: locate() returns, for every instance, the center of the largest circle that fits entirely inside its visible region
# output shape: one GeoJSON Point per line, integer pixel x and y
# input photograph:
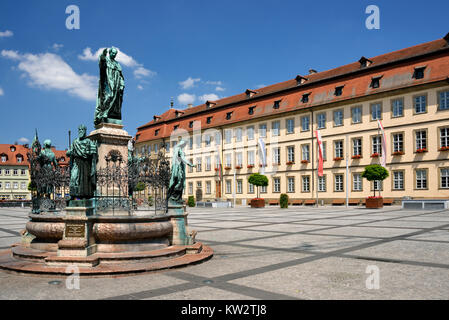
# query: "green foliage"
{"type": "Point", "coordinates": [150, 200]}
{"type": "Point", "coordinates": [191, 201]}
{"type": "Point", "coordinates": [283, 200]}
{"type": "Point", "coordinates": [32, 187]}
{"type": "Point", "coordinates": [375, 172]}
{"type": "Point", "coordinates": [140, 186]}
{"type": "Point", "coordinates": [258, 180]}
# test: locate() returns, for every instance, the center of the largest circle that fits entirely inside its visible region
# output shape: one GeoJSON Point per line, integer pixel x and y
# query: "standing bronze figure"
{"type": "Point", "coordinates": [110, 89]}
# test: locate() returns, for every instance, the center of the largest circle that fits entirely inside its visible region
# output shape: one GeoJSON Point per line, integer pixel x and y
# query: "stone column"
{"type": "Point", "coordinates": [181, 234]}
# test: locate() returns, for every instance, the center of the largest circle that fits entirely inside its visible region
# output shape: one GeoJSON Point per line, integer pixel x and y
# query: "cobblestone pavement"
{"type": "Point", "coordinates": [295, 253]}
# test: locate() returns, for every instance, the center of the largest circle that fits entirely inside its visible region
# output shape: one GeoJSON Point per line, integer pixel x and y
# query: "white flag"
{"type": "Point", "coordinates": [384, 145]}
{"type": "Point", "coordinates": [263, 155]}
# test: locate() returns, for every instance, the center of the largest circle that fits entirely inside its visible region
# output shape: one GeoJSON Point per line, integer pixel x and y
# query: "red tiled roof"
{"type": "Point", "coordinates": [395, 68]}
{"type": "Point", "coordinates": [20, 150]}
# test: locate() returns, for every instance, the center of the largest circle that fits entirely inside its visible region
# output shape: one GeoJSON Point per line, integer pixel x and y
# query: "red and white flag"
{"type": "Point", "coordinates": [384, 145]}
{"type": "Point", "coordinates": [320, 153]}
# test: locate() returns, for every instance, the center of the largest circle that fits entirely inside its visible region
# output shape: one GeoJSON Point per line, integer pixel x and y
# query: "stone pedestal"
{"type": "Point", "coordinates": [181, 234]}
{"type": "Point", "coordinates": [77, 239]}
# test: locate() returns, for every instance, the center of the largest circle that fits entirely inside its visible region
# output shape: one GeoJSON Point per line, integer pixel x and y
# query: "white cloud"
{"type": "Point", "coordinates": [122, 58]}
{"type": "Point", "coordinates": [214, 83]}
{"type": "Point", "coordinates": [24, 140]}
{"type": "Point", "coordinates": [208, 97]}
{"type": "Point", "coordinates": [185, 98]}
{"type": "Point", "coordinates": [139, 87]}
{"type": "Point", "coordinates": [2, 92]}
{"type": "Point", "coordinates": [57, 46]}
{"type": "Point", "coordinates": [189, 83]}
{"type": "Point", "coordinates": [49, 71]}
{"type": "Point", "coordinates": [7, 33]}
{"type": "Point", "coordinates": [260, 86]}
{"type": "Point", "coordinates": [219, 89]}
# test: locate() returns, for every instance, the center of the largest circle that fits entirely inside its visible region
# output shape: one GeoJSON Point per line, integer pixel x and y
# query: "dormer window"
{"type": "Point", "coordinates": [156, 118]}
{"type": "Point", "coordinates": [419, 72]}
{"type": "Point", "coordinates": [62, 159]}
{"type": "Point", "coordinates": [375, 82]}
{"type": "Point", "coordinates": [228, 115]}
{"type": "Point", "coordinates": [4, 158]}
{"type": "Point", "coordinates": [209, 120]}
{"type": "Point", "coordinates": [191, 124]}
{"type": "Point", "coordinates": [156, 132]}
{"type": "Point", "coordinates": [300, 80]}
{"type": "Point", "coordinates": [12, 148]}
{"type": "Point", "coordinates": [250, 93]}
{"type": "Point", "coordinates": [251, 110]}
{"type": "Point", "coordinates": [210, 104]}
{"type": "Point", "coordinates": [19, 158]}
{"type": "Point", "coordinates": [305, 97]}
{"type": "Point", "coordinates": [364, 62]}
{"type": "Point", "coordinates": [338, 91]}
{"type": "Point", "coordinates": [176, 127]}
{"type": "Point", "coordinates": [276, 104]}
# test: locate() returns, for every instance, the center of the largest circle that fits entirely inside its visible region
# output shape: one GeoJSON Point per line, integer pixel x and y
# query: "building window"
{"type": "Point", "coordinates": [239, 186]}
{"type": "Point", "coordinates": [190, 168]}
{"type": "Point", "coordinates": [190, 143]}
{"type": "Point", "coordinates": [444, 178]}
{"type": "Point", "coordinates": [276, 184]}
{"type": "Point", "coordinates": [321, 120]}
{"type": "Point", "coordinates": [276, 104]}
{"type": "Point", "coordinates": [357, 147]}
{"type": "Point", "coordinates": [1, 185]}
{"type": "Point", "coordinates": [338, 91]}
{"type": "Point", "coordinates": [357, 182]}
{"type": "Point", "coordinates": [398, 142]}
{"type": "Point", "coordinates": [238, 159]}
{"type": "Point", "coordinates": [198, 164]}
{"type": "Point", "coordinates": [209, 120]}
{"type": "Point", "coordinates": [338, 182]}
{"type": "Point", "coordinates": [208, 187]}
{"type": "Point", "coordinates": [217, 138]}
{"type": "Point", "coordinates": [322, 184]}
{"type": "Point", "coordinates": [228, 162]}
{"type": "Point", "coordinates": [377, 185]}
{"type": "Point", "coordinates": [421, 179]}
{"type": "Point", "coordinates": [263, 189]}
{"type": "Point", "coordinates": [376, 145]}
{"type": "Point", "coordinates": [176, 127]}
{"type": "Point", "coordinates": [398, 180]}
{"type": "Point", "coordinates": [191, 124]}
{"type": "Point", "coordinates": [323, 147]}
{"type": "Point", "coordinates": [263, 130]}
{"type": "Point", "coordinates": [290, 124]}
{"type": "Point", "coordinates": [251, 110]}
{"type": "Point", "coordinates": [156, 132]}
{"type": "Point", "coordinates": [7, 172]}
{"type": "Point", "coordinates": [228, 115]}
{"type": "Point", "coordinates": [15, 172]}
{"type": "Point", "coordinates": [376, 111]}
{"type": "Point", "coordinates": [419, 73]}
{"type": "Point", "coordinates": [276, 155]}
{"type": "Point", "coordinates": [305, 151]}
{"type": "Point", "coordinates": [338, 118]}
{"type": "Point", "coordinates": [207, 140]}
{"type": "Point", "coordinates": [420, 103]}
{"type": "Point", "coordinates": [275, 127]}
{"type": "Point", "coordinates": [228, 186]}
{"type": "Point", "coordinates": [356, 114]}
{"type": "Point", "coordinates": [444, 137]}
{"type": "Point", "coordinates": [251, 158]}
{"type": "Point", "coordinates": [7, 185]}
{"type": "Point", "coordinates": [19, 159]}
{"type": "Point", "coordinates": [290, 184]}
{"type": "Point", "coordinates": [443, 100]}
{"type": "Point", "coordinates": [250, 188]}
{"type": "Point", "coordinates": [228, 135]}
{"type": "Point", "coordinates": [421, 140]}
{"type": "Point", "coordinates": [397, 107]}
{"type": "Point", "coordinates": [167, 146]}
{"type": "Point", "coordinates": [305, 183]}
{"type": "Point", "coordinates": [305, 98]}
{"type": "Point", "coordinates": [198, 141]}
{"type": "Point", "coordinates": [208, 163]}
{"type": "Point", "coordinates": [238, 134]}
{"type": "Point", "coordinates": [291, 154]}
{"type": "Point", "coordinates": [338, 145]}
{"type": "Point", "coordinates": [4, 158]}
{"type": "Point", "coordinates": [250, 133]}
{"type": "Point", "coordinates": [305, 123]}
{"type": "Point", "coordinates": [375, 82]}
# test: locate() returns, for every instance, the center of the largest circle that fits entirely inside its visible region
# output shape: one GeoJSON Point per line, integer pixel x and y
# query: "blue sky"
{"type": "Point", "coordinates": [188, 50]}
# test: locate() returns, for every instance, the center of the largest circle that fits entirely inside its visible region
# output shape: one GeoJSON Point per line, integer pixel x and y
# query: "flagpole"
{"type": "Point", "coordinates": [380, 163]}
{"type": "Point", "coordinates": [347, 173]}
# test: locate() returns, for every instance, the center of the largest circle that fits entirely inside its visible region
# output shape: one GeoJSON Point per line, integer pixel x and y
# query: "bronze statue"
{"type": "Point", "coordinates": [110, 89]}
{"type": "Point", "coordinates": [178, 175]}
{"type": "Point", "coordinates": [83, 161]}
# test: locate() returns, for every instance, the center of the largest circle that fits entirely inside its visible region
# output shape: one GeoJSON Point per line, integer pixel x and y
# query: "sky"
{"type": "Point", "coordinates": [188, 51]}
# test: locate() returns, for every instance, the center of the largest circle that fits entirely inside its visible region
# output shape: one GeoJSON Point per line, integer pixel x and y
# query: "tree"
{"type": "Point", "coordinates": [283, 200]}
{"type": "Point", "coordinates": [259, 180]}
{"type": "Point", "coordinates": [191, 201]}
{"type": "Point", "coordinates": [140, 186]}
{"type": "Point", "coordinates": [375, 172]}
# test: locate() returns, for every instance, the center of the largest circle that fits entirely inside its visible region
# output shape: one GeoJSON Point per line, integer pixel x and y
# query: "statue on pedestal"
{"type": "Point", "coordinates": [178, 175]}
{"type": "Point", "coordinates": [83, 160]}
{"type": "Point", "coordinates": [48, 163]}
{"type": "Point", "coordinates": [110, 89]}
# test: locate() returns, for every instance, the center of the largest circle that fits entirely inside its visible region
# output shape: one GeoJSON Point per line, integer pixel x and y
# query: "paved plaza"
{"type": "Point", "coordinates": [294, 253]}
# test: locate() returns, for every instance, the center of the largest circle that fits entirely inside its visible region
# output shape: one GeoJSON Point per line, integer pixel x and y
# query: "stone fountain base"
{"type": "Point", "coordinates": [104, 245]}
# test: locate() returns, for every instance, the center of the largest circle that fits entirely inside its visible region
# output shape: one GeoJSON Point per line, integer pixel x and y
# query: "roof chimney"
{"type": "Point", "coordinates": [312, 71]}
{"type": "Point", "coordinates": [189, 105]}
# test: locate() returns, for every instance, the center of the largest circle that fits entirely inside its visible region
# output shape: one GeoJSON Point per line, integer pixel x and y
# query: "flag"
{"type": "Point", "coordinates": [384, 145]}
{"type": "Point", "coordinates": [263, 154]}
{"type": "Point", "coordinates": [320, 153]}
